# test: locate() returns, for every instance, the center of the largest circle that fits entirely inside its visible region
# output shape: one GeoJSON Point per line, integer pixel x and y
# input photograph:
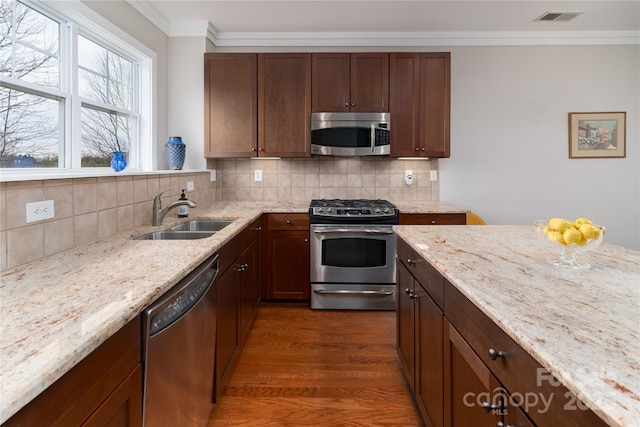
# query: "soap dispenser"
{"type": "Point", "coordinates": [183, 210]}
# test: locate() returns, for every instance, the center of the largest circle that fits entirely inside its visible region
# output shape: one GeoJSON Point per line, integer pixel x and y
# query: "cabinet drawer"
{"type": "Point", "coordinates": [425, 273]}
{"type": "Point", "coordinates": [291, 221]}
{"type": "Point", "coordinates": [433, 219]}
{"type": "Point", "coordinates": [514, 367]}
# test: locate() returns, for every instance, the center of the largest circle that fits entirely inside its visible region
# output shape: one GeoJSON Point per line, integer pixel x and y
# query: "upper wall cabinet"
{"type": "Point", "coordinates": [257, 104]}
{"type": "Point", "coordinates": [356, 82]}
{"type": "Point", "coordinates": [230, 104]}
{"type": "Point", "coordinates": [420, 104]}
{"type": "Point", "coordinates": [284, 104]}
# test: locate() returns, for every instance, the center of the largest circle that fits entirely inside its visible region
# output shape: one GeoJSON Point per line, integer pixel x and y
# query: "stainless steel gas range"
{"type": "Point", "coordinates": [353, 250]}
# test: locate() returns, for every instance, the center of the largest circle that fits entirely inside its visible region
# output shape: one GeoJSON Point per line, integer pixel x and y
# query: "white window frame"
{"type": "Point", "coordinates": [80, 19]}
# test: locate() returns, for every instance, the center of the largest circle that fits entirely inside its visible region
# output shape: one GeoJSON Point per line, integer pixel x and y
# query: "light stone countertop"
{"type": "Point", "coordinates": [583, 326]}
{"type": "Point", "coordinates": [57, 310]}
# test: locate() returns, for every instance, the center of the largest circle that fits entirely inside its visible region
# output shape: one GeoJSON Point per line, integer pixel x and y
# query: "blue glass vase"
{"type": "Point", "coordinates": [176, 150]}
{"type": "Point", "coordinates": [118, 161]}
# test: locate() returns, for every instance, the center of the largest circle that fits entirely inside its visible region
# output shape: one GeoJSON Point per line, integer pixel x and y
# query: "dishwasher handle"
{"type": "Point", "coordinates": [177, 302]}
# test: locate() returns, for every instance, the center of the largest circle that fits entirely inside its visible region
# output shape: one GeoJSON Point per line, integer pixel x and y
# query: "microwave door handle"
{"type": "Point", "coordinates": [373, 137]}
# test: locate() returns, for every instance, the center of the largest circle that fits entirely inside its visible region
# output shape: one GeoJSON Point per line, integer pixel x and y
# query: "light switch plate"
{"type": "Point", "coordinates": [189, 185]}
{"type": "Point", "coordinates": [408, 177]}
{"type": "Point", "coordinates": [257, 175]}
{"type": "Point", "coordinates": [213, 175]}
{"type": "Point", "coordinates": [38, 211]}
{"type": "Point", "coordinates": [433, 175]}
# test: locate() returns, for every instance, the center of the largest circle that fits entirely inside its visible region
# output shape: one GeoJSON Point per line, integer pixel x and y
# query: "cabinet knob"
{"type": "Point", "coordinates": [258, 228]}
{"type": "Point", "coordinates": [306, 240]}
{"type": "Point", "coordinates": [346, 104]}
{"type": "Point", "coordinates": [260, 149]}
{"type": "Point", "coordinates": [408, 291]}
{"type": "Point", "coordinates": [490, 406]}
{"type": "Point", "coordinates": [410, 261]}
{"type": "Point", "coordinates": [424, 149]}
{"type": "Point", "coordinates": [288, 221]}
{"type": "Point", "coordinates": [433, 221]}
{"type": "Point", "coordinates": [417, 148]}
{"type": "Point", "coordinates": [353, 104]}
{"type": "Point", "coordinates": [494, 354]}
{"type": "Point", "coordinates": [253, 148]}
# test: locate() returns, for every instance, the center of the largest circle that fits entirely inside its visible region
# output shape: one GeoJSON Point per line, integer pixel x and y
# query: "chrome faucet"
{"type": "Point", "coordinates": [159, 213]}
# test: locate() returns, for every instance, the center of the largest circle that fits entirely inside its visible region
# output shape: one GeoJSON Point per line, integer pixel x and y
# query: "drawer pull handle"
{"type": "Point", "coordinates": [490, 406]}
{"type": "Point", "coordinates": [496, 353]}
{"type": "Point", "coordinates": [410, 261]}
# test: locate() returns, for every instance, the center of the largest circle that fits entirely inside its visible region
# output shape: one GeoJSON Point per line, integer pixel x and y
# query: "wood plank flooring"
{"type": "Point", "coordinates": [303, 367]}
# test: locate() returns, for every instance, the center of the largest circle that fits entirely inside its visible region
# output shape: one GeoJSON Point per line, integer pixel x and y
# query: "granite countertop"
{"type": "Point", "coordinates": [57, 310]}
{"type": "Point", "coordinates": [583, 326]}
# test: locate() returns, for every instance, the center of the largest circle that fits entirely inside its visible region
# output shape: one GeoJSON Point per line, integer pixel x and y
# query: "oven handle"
{"type": "Point", "coordinates": [352, 231]}
{"type": "Point", "coordinates": [343, 292]}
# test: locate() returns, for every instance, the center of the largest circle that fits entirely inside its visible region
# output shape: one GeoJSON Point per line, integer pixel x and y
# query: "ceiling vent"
{"type": "Point", "coordinates": [558, 16]}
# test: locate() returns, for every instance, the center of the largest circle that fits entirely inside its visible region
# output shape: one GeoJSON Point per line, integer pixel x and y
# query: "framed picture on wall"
{"type": "Point", "coordinates": [597, 135]}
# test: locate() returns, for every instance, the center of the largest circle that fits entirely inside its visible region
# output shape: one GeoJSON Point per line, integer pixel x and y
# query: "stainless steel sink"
{"type": "Point", "coordinates": [202, 225]}
{"type": "Point", "coordinates": [175, 235]}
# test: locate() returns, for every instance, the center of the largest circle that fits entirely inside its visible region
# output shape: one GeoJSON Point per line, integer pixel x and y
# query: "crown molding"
{"type": "Point", "coordinates": [381, 39]}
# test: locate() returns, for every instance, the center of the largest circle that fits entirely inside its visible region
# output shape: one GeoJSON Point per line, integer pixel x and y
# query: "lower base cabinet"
{"type": "Point", "coordinates": [238, 296]}
{"type": "Point", "coordinates": [287, 266]}
{"type": "Point", "coordinates": [462, 368]}
{"type": "Point", "coordinates": [104, 389]}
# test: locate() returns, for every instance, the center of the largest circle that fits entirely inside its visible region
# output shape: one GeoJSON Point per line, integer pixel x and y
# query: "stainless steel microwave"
{"type": "Point", "coordinates": [350, 134]}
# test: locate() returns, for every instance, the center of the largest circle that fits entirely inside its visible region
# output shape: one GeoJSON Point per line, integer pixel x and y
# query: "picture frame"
{"type": "Point", "coordinates": [597, 135]}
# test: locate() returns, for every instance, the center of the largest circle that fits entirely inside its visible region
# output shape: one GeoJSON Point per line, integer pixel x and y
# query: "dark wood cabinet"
{"type": "Point", "coordinates": [433, 219]}
{"type": "Point", "coordinates": [238, 297]}
{"type": "Point", "coordinates": [284, 104]}
{"type": "Point", "coordinates": [231, 104]}
{"type": "Point", "coordinates": [420, 104]}
{"type": "Point", "coordinates": [419, 333]}
{"type": "Point", "coordinates": [357, 82]}
{"type": "Point", "coordinates": [287, 267]}
{"type": "Point", "coordinates": [104, 389]}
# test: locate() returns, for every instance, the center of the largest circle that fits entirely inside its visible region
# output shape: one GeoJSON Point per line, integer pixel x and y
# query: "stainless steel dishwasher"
{"type": "Point", "coordinates": [179, 351]}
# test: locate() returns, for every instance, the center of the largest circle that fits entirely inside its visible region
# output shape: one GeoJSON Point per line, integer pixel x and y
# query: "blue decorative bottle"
{"type": "Point", "coordinates": [176, 150]}
{"type": "Point", "coordinates": [118, 161]}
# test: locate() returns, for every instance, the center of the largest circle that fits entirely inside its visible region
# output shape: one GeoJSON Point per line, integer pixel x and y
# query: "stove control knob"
{"type": "Point", "coordinates": [377, 210]}
{"type": "Point", "coordinates": [329, 210]}
{"type": "Point", "coordinates": [320, 210]}
{"type": "Point", "coordinates": [386, 210]}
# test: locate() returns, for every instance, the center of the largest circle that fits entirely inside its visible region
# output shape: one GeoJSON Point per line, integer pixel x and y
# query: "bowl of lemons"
{"type": "Point", "coordinates": [570, 238]}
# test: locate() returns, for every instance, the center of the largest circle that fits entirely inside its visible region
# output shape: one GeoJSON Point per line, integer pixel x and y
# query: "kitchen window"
{"type": "Point", "coordinates": [71, 93]}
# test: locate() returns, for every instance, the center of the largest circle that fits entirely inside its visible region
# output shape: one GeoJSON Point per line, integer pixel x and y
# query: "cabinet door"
{"type": "Point", "coordinates": [249, 288]}
{"type": "Point", "coordinates": [429, 370]}
{"type": "Point", "coordinates": [369, 82]}
{"type": "Point", "coordinates": [404, 104]}
{"type": "Point", "coordinates": [284, 104]}
{"type": "Point", "coordinates": [123, 408]}
{"type": "Point", "coordinates": [230, 104]}
{"type": "Point", "coordinates": [434, 104]}
{"type": "Point", "coordinates": [330, 82]}
{"type": "Point", "coordinates": [405, 314]}
{"type": "Point", "coordinates": [472, 396]}
{"type": "Point", "coordinates": [288, 265]}
{"type": "Point", "coordinates": [227, 324]}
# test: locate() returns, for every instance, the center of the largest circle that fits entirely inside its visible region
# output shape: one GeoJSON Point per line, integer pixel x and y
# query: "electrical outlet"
{"type": "Point", "coordinates": [189, 185]}
{"type": "Point", "coordinates": [408, 177]}
{"type": "Point", "coordinates": [38, 211]}
{"type": "Point", "coordinates": [213, 175]}
{"type": "Point", "coordinates": [433, 175]}
{"type": "Point", "coordinates": [257, 175]}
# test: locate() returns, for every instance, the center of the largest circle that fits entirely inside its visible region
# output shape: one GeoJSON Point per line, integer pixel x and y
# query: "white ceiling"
{"type": "Point", "coordinates": [290, 19]}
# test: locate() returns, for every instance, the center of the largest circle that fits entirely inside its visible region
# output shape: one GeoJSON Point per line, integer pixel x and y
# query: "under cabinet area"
{"type": "Point", "coordinates": [104, 389]}
{"type": "Point", "coordinates": [356, 82]}
{"type": "Point", "coordinates": [287, 266]}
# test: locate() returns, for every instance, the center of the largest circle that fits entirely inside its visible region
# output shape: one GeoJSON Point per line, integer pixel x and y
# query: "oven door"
{"type": "Point", "coordinates": [352, 254]}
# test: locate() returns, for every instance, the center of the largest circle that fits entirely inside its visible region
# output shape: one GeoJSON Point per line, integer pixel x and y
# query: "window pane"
{"type": "Point", "coordinates": [30, 135]}
{"type": "Point", "coordinates": [104, 76]}
{"type": "Point", "coordinates": [29, 48]}
{"type": "Point", "coordinates": [102, 134]}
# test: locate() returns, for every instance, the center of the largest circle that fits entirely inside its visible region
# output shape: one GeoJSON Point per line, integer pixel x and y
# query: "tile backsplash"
{"type": "Point", "coordinates": [326, 178]}
{"type": "Point", "coordinates": [86, 209]}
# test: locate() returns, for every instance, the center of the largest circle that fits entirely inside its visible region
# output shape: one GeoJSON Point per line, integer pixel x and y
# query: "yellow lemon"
{"type": "Point", "coordinates": [556, 236]}
{"type": "Point", "coordinates": [578, 222]}
{"type": "Point", "coordinates": [559, 224]}
{"type": "Point", "coordinates": [589, 231]}
{"type": "Point", "coordinates": [571, 236]}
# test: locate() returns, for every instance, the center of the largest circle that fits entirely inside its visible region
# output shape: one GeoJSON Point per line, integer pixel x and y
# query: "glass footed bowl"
{"type": "Point", "coordinates": [568, 252]}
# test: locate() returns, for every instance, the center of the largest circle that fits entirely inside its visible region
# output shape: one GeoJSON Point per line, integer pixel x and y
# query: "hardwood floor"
{"type": "Point", "coordinates": [317, 368]}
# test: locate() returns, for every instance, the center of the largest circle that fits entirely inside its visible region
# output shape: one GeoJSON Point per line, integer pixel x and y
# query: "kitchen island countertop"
{"type": "Point", "coordinates": [57, 310]}
{"type": "Point", "coordinates": [583, 326]}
